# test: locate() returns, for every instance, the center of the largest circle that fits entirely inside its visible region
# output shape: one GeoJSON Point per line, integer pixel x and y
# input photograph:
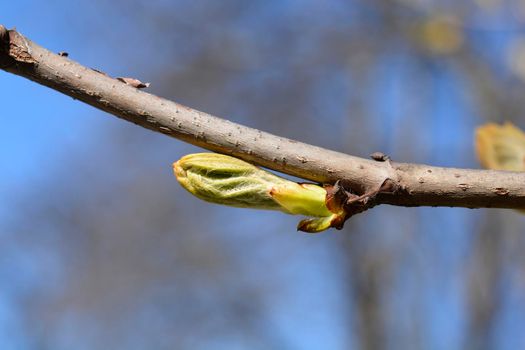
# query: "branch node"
{"type": "Point", "coordinates": [501, 191]}
{"type": "Point", "coordinates": [379, 156]}
{"type": "Point", "coordinates": [342, 195]}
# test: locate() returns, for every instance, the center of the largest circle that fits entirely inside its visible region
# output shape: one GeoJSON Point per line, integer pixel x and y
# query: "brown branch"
{"type": "Point", "coordinates": [380, 181]}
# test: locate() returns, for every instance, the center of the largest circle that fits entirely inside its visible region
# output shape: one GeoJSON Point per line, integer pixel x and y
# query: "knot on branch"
{"type": "Point", "coordinates": [342, 197]}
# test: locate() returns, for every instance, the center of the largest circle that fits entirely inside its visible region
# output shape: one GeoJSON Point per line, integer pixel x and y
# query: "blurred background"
{"type": "Point", "coordinates": [100, 248]}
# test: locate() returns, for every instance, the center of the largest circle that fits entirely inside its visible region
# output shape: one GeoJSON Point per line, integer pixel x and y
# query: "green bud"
{"type": "Point", "coordinates": [230, 181]}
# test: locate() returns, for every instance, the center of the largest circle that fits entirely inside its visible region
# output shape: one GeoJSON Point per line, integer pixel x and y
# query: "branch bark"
{"type": "Point", "coordinates": [406, 184]}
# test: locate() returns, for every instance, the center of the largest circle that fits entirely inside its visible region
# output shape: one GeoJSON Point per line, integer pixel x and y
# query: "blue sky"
{"type": "Point", "coordinates": [40, 125]}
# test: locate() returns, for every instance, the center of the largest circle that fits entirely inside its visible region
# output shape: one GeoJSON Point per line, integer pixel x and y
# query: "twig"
{"type": "Point", "coordinates": [408, 184]}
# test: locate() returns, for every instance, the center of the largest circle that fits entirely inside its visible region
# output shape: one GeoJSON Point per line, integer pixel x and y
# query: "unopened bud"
{"type": "Point", "coordinates": [230, 181]}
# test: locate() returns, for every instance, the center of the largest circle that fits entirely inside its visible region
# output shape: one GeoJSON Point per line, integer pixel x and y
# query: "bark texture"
{"type": "Point", "coordinates": [377, 181]}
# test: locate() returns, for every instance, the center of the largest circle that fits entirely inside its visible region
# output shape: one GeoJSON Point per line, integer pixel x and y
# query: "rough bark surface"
{"type": "Point", "coordinates": [377, 181]}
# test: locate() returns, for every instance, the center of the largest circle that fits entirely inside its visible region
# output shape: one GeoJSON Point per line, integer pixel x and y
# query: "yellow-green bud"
{"type": "Point", "coordinates": [230, 181]}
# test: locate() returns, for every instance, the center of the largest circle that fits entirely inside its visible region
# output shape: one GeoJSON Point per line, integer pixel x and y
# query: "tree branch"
{"type": "Point", "coordinates": [378, 181]}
